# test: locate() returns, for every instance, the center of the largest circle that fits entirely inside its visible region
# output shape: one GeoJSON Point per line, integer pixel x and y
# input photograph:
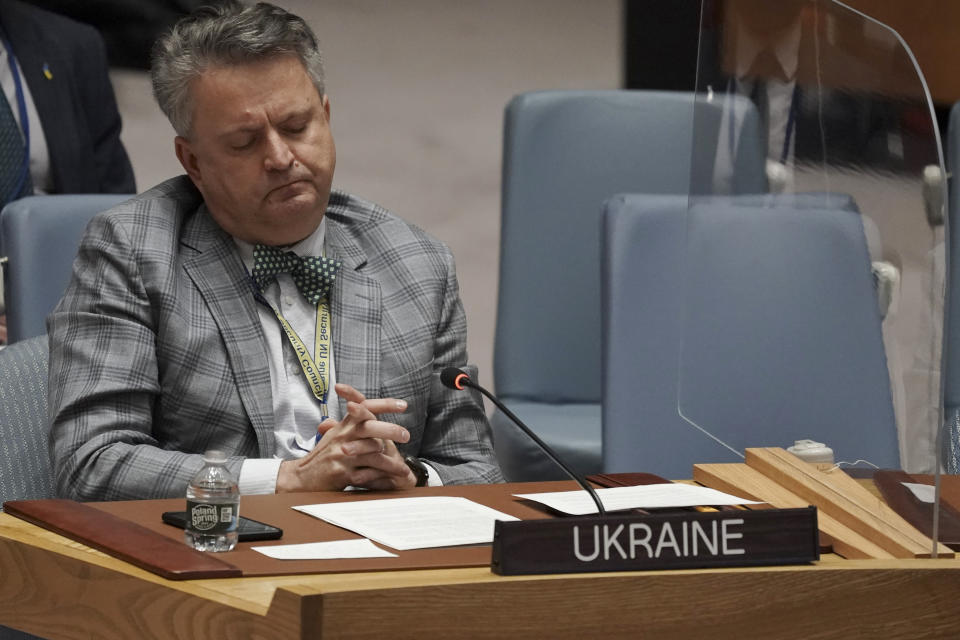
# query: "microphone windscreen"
{"type": "Point", "coordinates": [450, 377]}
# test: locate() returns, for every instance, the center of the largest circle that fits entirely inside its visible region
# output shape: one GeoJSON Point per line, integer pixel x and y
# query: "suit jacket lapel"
{"type": "Point", "coordinates": [355, 306]}
{"type": "Point", "coordinates": [219, 275]}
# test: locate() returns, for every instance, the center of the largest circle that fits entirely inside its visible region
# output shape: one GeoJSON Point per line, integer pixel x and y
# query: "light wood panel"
{"type": "Point", "coordinates": [838, 495]}
{"type": "Point", "coordinates": [743, 481]}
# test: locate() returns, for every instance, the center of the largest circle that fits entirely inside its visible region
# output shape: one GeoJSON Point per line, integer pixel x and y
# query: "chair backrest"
{"type": "Point", "coordinates": [39, 236]}
{"type": "Point", "coordinates": [777, 315]}
{"type": "Point", "coordinates": [24, 464]}
{"type": "Point", "coordinates": [565, 152]}
{"type": "Point", "coordinates": [952, 329]}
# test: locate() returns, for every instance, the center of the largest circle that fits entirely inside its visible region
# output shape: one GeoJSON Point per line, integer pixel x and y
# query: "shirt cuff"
{"type": "Point", "coordinates": [433, 478]}
{"type": "Point", "coordinates": [259, 475]}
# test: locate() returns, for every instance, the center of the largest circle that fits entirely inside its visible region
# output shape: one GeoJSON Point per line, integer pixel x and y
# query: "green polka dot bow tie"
{"type": "Point", "coordinates": [313, 275]}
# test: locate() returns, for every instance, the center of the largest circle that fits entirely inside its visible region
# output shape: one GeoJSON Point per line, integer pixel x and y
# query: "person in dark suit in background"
{"type": "Point", "coordinates": [751, 51]}
{"type": "Point", "coordinates": [71, 109]}
{"type": "Point", "coordinates": [53, 72]}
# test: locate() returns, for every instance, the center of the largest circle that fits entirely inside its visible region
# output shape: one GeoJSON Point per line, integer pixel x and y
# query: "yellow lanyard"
{"type": "Point", "coordinates": [316, 368]}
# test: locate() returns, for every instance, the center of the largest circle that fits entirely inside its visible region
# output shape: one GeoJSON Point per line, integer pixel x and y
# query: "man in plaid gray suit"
{"type": "Point", "coordinates": [217, 310]}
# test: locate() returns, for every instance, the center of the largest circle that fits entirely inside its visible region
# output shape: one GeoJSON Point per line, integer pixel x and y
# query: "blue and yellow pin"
{"type": "Point", "coordinates": [46, 71]}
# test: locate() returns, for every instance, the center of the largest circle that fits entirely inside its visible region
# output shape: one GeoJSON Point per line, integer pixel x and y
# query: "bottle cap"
{"type": "Point", "coordinates": [810, 451]}
{"type": "Point", "coordinates": [215, 456]}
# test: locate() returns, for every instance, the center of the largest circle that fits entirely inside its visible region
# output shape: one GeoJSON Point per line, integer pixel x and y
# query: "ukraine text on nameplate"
{"type": "Point", "coordinates": [677, 540]}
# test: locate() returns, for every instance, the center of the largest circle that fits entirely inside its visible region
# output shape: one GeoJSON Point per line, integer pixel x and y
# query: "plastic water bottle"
{"type": "Point", "coordinates": [213, 506]}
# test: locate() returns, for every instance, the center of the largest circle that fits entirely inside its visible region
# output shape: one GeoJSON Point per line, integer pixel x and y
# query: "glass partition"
{"type": "Point", "coordinates": [814, 263]}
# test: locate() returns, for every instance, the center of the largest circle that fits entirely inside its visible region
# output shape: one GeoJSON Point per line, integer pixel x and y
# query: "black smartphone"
{"type": "Point", "coordinates": [248, 530]}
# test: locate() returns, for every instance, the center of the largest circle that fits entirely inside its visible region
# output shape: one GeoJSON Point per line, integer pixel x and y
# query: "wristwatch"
{"type": "Point", "coordinates": [419, 470]}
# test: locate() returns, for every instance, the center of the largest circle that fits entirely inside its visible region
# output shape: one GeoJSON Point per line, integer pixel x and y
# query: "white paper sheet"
{"type": "Point", "coordinates": [923, 492]}
{"type": "Point", "coordinates": [647, 496]}
{"type": "Point", "coordinates": [333, 550]}
{"type": "Point", "coordinates": [413, 523]}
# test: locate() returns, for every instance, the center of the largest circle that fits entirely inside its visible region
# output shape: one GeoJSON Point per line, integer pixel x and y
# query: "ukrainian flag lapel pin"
{"type": "Point", "coordinates": [46, 71]}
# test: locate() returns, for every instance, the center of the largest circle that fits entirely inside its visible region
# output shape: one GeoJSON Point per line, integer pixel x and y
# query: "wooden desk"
{"type": "Point", "coordinates": [57, 588]}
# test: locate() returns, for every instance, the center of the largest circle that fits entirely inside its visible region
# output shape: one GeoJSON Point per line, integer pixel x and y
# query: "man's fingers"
{"type": "Point", "coordinates": [359, 439]}
{"type": "Point", "coordinates": [348, 393]}
{"type": "Point", "coordinates": [378, 406]}
{"type": "Point", "coordinates": [391, 465]}
{"type": "Point", "coordinates": [382, 430]}
{"type": "Point", "coordinates": [358, 425]}
{"type": "Point", "coordinates": [359, 412]}
{"type": "Point", "coordinates": [374, 405]}
{"type": "Point", "coordinates": [326, 425]}
{"type": "Point", "coordinates": [364, 446]}
{"type": "Point", "coordinates": [369, 409]}
{"type": "Point", "coordinates": [379, 479]}
{"type": "Point", "coordinates": [385, 405]}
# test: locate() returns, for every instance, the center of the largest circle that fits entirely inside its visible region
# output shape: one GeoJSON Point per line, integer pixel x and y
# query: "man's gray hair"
{"type": "Point", "coordinates": [225, 35]}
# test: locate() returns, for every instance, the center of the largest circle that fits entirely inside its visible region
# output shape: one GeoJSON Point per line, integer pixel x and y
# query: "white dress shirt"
{"type": "Point", "coordinates": [785, 47]}
{"type": "Point", "coordinates": [295, 409]}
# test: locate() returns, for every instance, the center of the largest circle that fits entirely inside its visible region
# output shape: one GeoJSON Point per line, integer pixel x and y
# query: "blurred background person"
{"type": "Point", "coordinates": [59, 123]}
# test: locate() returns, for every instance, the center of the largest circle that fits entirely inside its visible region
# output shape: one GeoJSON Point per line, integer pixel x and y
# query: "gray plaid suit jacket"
{"type": "Point", "coordinates": [157, 353]}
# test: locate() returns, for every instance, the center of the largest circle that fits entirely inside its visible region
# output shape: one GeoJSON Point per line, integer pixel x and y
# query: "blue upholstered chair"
{"type": "Point", "coordinates": [773, 335]}
{"type": "Point", "coordinates": [24, 465]}
{"type": "Point", "coordinates": [39, 236]}
{"type": "Point", "coordinates": [565, 152]}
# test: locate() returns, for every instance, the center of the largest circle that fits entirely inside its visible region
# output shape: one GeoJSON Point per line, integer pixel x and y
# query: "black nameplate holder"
{"type": "Point", "coordinates": [674, 540]}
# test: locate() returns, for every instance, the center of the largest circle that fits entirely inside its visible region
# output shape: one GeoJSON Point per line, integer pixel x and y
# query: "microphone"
{"type": "Point", "coordinates": [457, 379]}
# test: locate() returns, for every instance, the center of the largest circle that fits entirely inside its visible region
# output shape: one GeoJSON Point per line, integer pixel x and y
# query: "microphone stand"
{"type": "Point", "coordinates": [463, 379]}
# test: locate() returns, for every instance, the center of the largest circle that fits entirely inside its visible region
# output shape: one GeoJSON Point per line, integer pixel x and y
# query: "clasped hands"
{"type": "Point", "coordinates": [358, 450]}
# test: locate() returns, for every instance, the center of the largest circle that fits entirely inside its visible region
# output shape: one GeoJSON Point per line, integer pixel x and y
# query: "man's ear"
{"type": "Point", "coordinates": [188, 159]}
{"type": "Point", "coordinates": [326, 106]}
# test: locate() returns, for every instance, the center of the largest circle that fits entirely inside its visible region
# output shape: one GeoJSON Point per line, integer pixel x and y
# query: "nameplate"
{"type": "Point", "coordinates": [675, 540]}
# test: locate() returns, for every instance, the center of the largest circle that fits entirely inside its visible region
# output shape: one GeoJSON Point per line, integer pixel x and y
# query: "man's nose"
{"type": "Point", "coordinates": [278, 155]}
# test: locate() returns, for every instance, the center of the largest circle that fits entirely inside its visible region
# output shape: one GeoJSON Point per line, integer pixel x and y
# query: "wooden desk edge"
{"type": "Point", "coordinates": [295, 606]}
